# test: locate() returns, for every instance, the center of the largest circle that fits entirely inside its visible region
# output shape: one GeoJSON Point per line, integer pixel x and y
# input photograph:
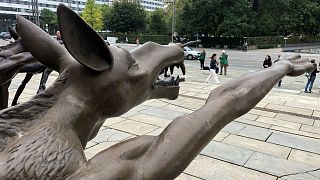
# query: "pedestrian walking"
{"type": "Point", "coordinates": [137, 41]}
{"type": "Point", "coordinates": [223, 62]}
{"type": "Point", "coordinates": [311, 78]}
{"type": "Point", "coordinates": [213, 69]}
{"type": "Point", "coordinates": [277, 60]}
{"type": "Point", "coordinates": [267, 61]}
{"type": "Point", "coordinates": [202, 58]}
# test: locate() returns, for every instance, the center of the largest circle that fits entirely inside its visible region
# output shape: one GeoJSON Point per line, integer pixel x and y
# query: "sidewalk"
{"type": "Point", "coordinates": [278, 139]}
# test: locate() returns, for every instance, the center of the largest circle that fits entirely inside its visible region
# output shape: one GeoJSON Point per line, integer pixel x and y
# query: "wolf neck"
{"type": "Point", "coordinates": [56, 105]}
{"type": "Point", "coordinates": [29, 113]}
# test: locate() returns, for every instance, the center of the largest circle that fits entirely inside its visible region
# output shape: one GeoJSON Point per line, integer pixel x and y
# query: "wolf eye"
{"type": "Point", "coordinates": [132, 60]}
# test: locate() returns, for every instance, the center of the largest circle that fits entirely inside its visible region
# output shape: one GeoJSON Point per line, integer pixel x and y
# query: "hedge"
{"type": "Point", "coordinates": [160, 39]}
{"type": "Point", "coordinates": [271, 41]}
{"type": "Point", "coordinates": [218, 42]}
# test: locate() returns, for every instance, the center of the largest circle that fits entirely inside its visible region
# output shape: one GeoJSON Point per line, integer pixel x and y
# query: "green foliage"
{"type": "Point", "coordinates": [271, 20]}
{"type": "Point", "coordinates": [50, 18]}
{"type": "Point", "coordinates": [247, 18]}
{"type": "Point", "coordinates": [237, 20]}
{"type": "Point", "coordinates": [92, 14]}
{"type": "Point", "coordinates": [127, 16]}
{"type": "Point", "coordinates": [106, 15]}
{"type": "Point", "coordinates": [160, 39]}
{"type": "Point", "coordinates": [158, 23]}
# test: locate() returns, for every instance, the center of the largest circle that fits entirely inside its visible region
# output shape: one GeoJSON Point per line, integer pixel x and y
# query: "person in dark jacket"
{"type": "Point", "coordinates": [311, 78]}
{"type": "Point", "coordinates": [213, 69]}
{"type": "Point", "coordinates": [267, 62]}
{"type": "Point", "coordinates": [223, 62]}
{"type": "Point", "coordinates": [202, 58]}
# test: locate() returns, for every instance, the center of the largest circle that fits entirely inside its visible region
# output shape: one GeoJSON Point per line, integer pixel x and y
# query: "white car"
{"type": "Point", "coordinates": [190, 53]}
{"type": "Point", "coordinates": [110, 43]}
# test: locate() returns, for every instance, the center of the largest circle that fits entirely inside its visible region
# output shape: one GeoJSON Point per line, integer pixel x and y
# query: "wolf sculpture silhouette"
{"type": "Point", "coordinates": [45, 137]}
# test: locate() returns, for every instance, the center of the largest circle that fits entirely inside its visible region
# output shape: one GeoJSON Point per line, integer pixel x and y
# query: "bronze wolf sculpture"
{"type": "Point", "coordinates": [20, 67]}
{"type": "Point", "coordinates": [45, 137]}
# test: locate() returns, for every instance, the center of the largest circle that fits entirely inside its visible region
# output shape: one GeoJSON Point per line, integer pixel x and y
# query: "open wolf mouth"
{"type": "Point", "coordinates": [171, 82]}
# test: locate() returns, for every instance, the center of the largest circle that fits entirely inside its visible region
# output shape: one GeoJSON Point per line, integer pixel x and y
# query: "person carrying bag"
{"type": "Point", "coordinates": [213, 69]}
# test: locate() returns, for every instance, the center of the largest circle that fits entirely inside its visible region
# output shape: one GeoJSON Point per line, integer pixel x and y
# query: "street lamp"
{"type": "Point", "coordinates": [173, 19]}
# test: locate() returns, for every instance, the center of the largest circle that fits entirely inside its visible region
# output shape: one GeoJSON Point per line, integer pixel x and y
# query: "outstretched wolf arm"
{"type": "Point", "coordinates": [167, 155]}
{"type": "Point", "coordinates": [186, 136]}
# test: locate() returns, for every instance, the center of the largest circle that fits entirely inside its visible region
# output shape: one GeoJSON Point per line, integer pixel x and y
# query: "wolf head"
{"type": "Point", "coordinates": [107, 78]}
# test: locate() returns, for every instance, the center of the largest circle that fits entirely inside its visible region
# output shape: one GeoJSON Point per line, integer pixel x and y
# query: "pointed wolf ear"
{"type": "Point", "coordinates": [41, 45]}
{"type": "Point", "coordinates": [82, 42]}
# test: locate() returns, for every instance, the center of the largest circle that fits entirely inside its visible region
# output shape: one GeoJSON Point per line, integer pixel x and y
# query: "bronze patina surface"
{"type": "Point", "coordinates": [45, 137]}
{"type": "Point", "coordinates": [11, 65]}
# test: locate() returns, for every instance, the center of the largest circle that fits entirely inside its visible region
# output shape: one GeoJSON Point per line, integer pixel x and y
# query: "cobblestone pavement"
{"type": "Point", "coordinates": [278, 139]}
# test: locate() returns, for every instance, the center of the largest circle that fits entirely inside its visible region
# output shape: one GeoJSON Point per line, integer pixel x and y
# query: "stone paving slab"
{"type": "Point", "coordinates": [253, 123]}
{"type": "Point", "coordinates": [278, 122]}
{"type": "Point", "coordinates": [255, 132]}
{"type": "Point", "coordinates": [233, 127]}
{"type": "Point", "coordinates": [176, 108]}
{"type": "Point", "coordinates": [317, 123]}
{"type": "Point", "coordinates": [227, 152]}
{"type": "Point", "coordinates": [111, 121]}
{"type": "Point", "coordinates": [316, 113]}
{"type": "Point", "coordinates": [220, 136]}
{"type": "Point", "coordinates": [249, 116]}
{"type": "Point", "coordinates": [307, 176]}
{"type": "Point", "coordinates": [276, 166]}
{"type": "Point", "coordinates": [295, 132]}
{"type": "Point", "coordinates": [184, 176]}
{"type": "Point", "coordinates": [208, 168]}
{"type": "Point", "coordinates": [302, 105]}
{"type": "Point", "coordinates": [152, 120]}
{"type": "Point", "coordinates": [134, 127]}
{"type": "Point", "coordinates": [258, 146]}
{"type": "Point", "coordinates": [290, 109]}
{"type": "Point", "coordinates": [305, 157]}
{"type": "Point", "coordinates": [162, 113]}
{"type": "Point", "coordinates": [110, 135]}
{"type": "Point", "coordinates": [294, 141]}
{"type": "Point", "coordinates": [311, 129]}
{"type": "Point", "coordinates": [309, 101]}
{"type": "Point", "coordinates": [262, 113]}
{"type": "Point", "coordinates": [295, 119]}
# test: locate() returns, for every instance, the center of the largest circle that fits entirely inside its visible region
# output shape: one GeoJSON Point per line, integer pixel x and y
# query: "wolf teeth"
{"type": "Point", "coordinates": [172, 82]}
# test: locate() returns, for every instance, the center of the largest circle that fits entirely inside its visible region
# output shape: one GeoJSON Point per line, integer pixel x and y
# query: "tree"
{"type": "Point", "coordinates": [127, 16]}
{"type": "Point", "coordinates": [246, 17]}
{"type": "Point", "coordinates": [50, 18]}
{"type": "Point", "coordinates": [106, 15]}
{"type": "Point", "coordinates": [92, 15]}
{"type": "Point", "coordinates": [237, 19]}
{"type": "Point", "coordinates": [157, 22]}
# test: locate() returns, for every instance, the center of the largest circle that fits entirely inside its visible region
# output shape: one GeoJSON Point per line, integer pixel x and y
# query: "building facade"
{"type": "Point", "coordinates": [27, 8]}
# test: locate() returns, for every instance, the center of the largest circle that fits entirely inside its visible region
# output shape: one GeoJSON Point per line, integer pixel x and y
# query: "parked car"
{"type": "Point", "coordinates": [190, 53]}
{"type": "Point", "coordinates": [5, 35]}
{"type": "Point", "coordinates": [110, 42]}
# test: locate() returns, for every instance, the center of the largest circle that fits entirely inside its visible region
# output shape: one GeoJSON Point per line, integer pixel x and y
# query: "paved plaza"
{"type": "Point", "coordinates": [278, 139]}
